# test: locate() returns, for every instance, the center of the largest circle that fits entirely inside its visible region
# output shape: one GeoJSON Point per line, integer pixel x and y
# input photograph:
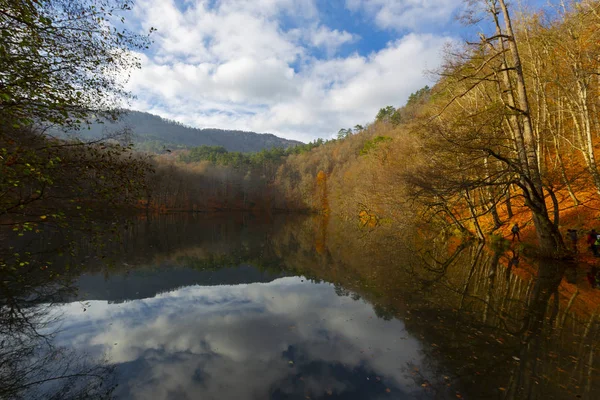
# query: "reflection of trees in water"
{"type": "Point", "coordinates": [343, 292]}
{"type": "Point", "coordinates": [492, 329]}
{"type": "Point", "coordinates": [547, 350]}
{"type": "Point", "coordinates": [386, 313]}
{"type": "Point", "coordinates": [34, 369]}
{"type": "Point", "coordinates": [529, 328]}
{"type": "Point", "coordinates": [196, 241]}
{"type": "Point", "coordinates": [497, 330]}
{"type": "Point", "coordinates": [31, 365]}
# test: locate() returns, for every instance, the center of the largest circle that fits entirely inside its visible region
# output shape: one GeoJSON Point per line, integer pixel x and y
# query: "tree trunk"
{"type": "Point", "coordinates": [563, 173]}
{"type": "Point", "coordinates": [509, 210]}
{"type": "Point", "coordinates": [478, 229]}
{"type": "Point", "coordinates": [589, 141]}
{"type": "Point", "coordinates": [549, 237]}
{"type": "Point", "coordinates": [555, 206]}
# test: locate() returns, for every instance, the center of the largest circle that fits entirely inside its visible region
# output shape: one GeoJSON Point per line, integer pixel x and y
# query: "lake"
{"type": "Point", "coordinates": [294, 307]}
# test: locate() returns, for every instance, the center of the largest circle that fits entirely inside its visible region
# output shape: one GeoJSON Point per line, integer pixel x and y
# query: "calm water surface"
{"type": "Point", "coordinates": [235, 307]}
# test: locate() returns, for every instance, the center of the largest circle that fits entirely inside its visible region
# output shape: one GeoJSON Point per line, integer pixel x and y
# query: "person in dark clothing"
{"type": "Point", "coordinates": [573, 236]}
{"type": "Point", "coordinates": [592, 277]}
{"type": "Point", "coordinates": [597, 246]}
{"type": "Point", "coordinates": [591, 239]}
{"type": "Point", "coordinates": [515, 232]}
{"type": "Point", "coordinates": [513, 262]}
{"type": "Point", "coordinates": [571, 275]}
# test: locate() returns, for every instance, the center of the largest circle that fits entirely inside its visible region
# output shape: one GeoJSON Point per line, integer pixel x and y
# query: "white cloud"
{"type": "Point", "coordinates": [247, 79]}
{"type": "Point", "coordinates": [236, 65]}
{"type": "Point", "coordinates": [330, 40]}
{"type": "Point", "coordinates": [268, 96]}
{"type": "Point", "coordinates": [232, 29]}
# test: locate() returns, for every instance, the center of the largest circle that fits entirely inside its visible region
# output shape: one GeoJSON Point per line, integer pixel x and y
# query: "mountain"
{"type": "Point", "coordinates": [153, 133]}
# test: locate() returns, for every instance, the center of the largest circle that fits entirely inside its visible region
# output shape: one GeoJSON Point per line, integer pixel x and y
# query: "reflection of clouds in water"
{"type": "Point", "coordinates": [237, 341]}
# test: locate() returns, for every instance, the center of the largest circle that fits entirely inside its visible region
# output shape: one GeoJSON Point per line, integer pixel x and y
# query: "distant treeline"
{"type": "Point", "coordinates": [220, 156]}
{"type": "Point", "coordinates": [209, 178]}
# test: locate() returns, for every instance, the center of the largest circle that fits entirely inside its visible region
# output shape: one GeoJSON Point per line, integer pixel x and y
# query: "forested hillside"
{"type": "Point", "coordinates": [511, 127]}
{"type": "Point", "coordinates": [152, 133]}
{"type": "Point", "coordinates": [509, 133]}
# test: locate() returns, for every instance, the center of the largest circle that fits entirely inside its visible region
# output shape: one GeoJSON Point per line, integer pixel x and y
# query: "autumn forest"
{"type": "Point", "coordinates": [429, 253]}
{"type": "Point", "coordinates": [510, 127]}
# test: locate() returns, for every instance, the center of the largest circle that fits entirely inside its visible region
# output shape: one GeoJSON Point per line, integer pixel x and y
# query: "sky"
{"type": "Point", "coordinates": [300, 69]}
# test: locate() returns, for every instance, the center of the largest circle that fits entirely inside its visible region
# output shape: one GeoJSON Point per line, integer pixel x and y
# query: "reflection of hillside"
{"type": "Point", "coordinates": [173, 251]}
{"type": "Point", "coordinates": [167, 239]}
{"type": "Point", "coordinates": [502, 332]}
{"type": "Point", "coordinates": [142, 283]}
{"type": "Point", "coordinates": [494, 331]}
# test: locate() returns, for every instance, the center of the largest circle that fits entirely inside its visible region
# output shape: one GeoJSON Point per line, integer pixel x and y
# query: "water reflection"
{"type": "Point", "coordinates": [301, 308]}
{"type": "Point", "coordinates": [32, 364]}
{"type": "Point", "coordinates": [529, 333]}
{"type": "Point", "coordinates": [285, 339]}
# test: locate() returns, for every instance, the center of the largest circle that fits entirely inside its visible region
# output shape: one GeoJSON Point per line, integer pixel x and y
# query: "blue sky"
{"type": "Point", "coordinates": [301, 69]}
